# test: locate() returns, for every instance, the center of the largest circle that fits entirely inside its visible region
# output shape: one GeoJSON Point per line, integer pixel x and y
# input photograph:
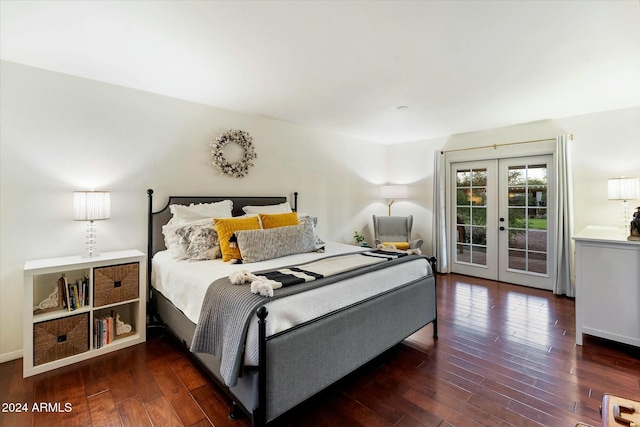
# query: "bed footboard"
{"type": "Point", "coordinates": [304, 360]}
{"type": "Point", "coordinates": [325, 350]}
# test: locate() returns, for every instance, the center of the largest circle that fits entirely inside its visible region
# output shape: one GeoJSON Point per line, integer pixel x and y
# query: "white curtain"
{"type": "Point", "coordinates": [564, 205]}
{"type": "Point", "coordinates": [439, 216]}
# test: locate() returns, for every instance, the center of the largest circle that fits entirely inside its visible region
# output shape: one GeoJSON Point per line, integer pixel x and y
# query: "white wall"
{"type": "Point", "coordinates": [605, 145]}
{"type": "Point", "coordinates": [60, 133]}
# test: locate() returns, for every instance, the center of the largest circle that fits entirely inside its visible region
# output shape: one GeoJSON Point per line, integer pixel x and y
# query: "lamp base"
{"type": "Point", "coordinates": [88, 254]}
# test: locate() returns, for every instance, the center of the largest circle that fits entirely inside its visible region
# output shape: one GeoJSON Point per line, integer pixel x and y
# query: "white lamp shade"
{"type": "Point", "coordinates": [394, 191]}
{"type": "Point", "coordinates": [624, 189]}
{"type": "Point", "coordinates": [91, 205]}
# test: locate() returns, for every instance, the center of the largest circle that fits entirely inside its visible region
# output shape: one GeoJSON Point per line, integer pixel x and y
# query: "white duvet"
{"type": "Point", "coordinates": [185, 283]}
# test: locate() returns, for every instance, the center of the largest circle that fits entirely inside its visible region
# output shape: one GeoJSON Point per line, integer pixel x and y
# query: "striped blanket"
{"type": "Point", "coordinates": [265, 283]}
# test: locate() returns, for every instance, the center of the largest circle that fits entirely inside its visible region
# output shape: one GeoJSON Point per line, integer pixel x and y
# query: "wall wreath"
{"type": "Point", "coordinates": [243, 139]}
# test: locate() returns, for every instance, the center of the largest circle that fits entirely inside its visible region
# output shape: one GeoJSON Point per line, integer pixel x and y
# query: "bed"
{"type": "Point", "coordinates": [293, 346]}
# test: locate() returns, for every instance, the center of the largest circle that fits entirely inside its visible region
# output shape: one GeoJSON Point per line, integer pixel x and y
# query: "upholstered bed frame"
{"type": "Point", "coordinates": [299, 362]}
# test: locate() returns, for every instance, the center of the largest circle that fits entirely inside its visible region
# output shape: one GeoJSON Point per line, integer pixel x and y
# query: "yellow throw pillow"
{"type": "Point", "coordinates": [402, 246]}
{"type": "Point", "coordinates": [226, 227]}
{"type": "Point", "coordinates": [279, 220]}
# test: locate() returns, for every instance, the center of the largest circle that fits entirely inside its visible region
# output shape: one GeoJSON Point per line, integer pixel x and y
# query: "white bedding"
{"type": "Point", "coordinates": [185, 283]}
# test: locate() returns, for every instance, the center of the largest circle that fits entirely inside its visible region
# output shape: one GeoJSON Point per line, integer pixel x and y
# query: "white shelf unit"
{"type": "Point", "coordinates": [126, 297]}
{"type": "Point", "coordinates": [607, 285]}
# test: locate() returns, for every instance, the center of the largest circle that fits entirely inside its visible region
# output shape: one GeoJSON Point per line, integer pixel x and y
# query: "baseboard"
{"type": "Point", "coordinates": [5, 357]}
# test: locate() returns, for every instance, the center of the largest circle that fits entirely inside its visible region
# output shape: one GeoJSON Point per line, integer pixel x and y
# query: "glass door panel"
{"type": "Point", "coordinates": [527, 185]}
{"type": "Point", "coordinates": [527, 219]}
{"type": "Point", "coordinates": [471, 218]}
{"type": "Point", "coordinates": [473, 187]}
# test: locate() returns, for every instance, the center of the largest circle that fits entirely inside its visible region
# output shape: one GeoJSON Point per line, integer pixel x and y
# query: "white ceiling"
{"type": "Point", "coordinates": [345, 66]}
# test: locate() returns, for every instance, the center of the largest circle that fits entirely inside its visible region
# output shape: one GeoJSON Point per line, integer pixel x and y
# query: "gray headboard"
{"type": "Point", "coordinates": [156, 220]}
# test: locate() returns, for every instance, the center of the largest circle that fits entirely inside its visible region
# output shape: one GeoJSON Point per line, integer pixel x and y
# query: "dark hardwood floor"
{"type": "Point", "coordinates": [505, 357]}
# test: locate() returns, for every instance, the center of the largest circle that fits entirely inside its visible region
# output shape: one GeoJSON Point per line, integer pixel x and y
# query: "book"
{"type": "Point", "coordinates": [96, 332]}
{"type": "Point", "coordinates": [80, 289]}
{"type": "Point", "coordinates": [75, 295]}
{"type": "Point", "coordinates": [104, 332]}
{"type": "Point", "coordinates": [85, 284]}
{"type": "Point", "coordinates": [65, 288]}
{"type": "Point", "coordinates": [72, 299]}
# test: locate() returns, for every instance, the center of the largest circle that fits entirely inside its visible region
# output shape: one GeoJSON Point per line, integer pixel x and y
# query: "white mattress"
{"type": "Point", "coordinates": [185, 283]}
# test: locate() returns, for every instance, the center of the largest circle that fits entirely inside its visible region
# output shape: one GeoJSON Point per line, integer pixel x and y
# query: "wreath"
{"type": "Point", "coordinates": [244, 140]}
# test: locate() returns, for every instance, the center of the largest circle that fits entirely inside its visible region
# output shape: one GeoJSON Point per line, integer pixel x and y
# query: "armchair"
{"type": "Point", "coordinates": [395, 230]}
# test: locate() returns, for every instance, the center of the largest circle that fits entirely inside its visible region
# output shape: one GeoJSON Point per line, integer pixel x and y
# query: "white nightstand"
{"type": "Point", "coordinates": [56, 336]}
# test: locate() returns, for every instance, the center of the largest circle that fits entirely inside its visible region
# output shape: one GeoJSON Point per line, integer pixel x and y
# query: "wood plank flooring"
{"type": "Point", "coordinates": [505, 357]}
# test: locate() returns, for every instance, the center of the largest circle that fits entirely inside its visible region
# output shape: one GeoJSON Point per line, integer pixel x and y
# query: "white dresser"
{"type": "Point", "coordinates": [607, 285]}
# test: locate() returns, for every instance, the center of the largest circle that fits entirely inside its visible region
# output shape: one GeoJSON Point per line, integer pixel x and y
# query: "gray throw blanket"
{"type": "Point", "coordinates": [228, 308]}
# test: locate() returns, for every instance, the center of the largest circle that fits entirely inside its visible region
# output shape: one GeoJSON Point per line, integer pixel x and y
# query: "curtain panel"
{"type": "Point", "coordinates": [565, 276]}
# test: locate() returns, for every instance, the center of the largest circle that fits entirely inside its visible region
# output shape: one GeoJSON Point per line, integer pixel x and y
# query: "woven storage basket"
{"type": "Point", "coordinates": [115, 284]}
{"type": "Point", "coordinates": [60, 338]}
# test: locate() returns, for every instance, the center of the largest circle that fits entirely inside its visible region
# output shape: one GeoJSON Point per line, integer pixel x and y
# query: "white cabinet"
{"type": "Point", "coordinates": [76, 308]}
{"type": "Point", "coordinates": [607, 285]}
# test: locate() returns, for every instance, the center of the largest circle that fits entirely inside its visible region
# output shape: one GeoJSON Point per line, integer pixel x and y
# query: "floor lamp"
{"type": "Point", "coordinates": [392, 192]}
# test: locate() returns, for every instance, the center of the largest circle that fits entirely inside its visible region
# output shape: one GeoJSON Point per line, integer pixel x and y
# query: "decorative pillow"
{"type": "Point", "coordinates": [226, 227]}
{"type": "Point", "coordinates": [194, 212]}
{"type": "Point", "coordinates": [172, 240]}
{"type": "Point", "coordinates": [200, 240]}
{"type": "Point", "coordinates": [263, 244]}
{"type": "Point", "coordinates": [403, 246]}
{"type": "Point", "coordinates": [313, 220]}
{"type": "Point", "coordinates": [268, 209]}
{"type": "Point", "coordinates": [278, 220]}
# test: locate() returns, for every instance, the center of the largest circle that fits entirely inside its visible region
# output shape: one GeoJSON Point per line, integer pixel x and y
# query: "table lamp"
{"type": "Point", "coordinates": [91, 206]}
{"type": "Point", "coordinates": [624, 189]}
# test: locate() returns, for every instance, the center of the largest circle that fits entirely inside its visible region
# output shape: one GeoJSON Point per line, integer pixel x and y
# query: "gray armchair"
{"type": "Point", "coordinates": [395, 230]}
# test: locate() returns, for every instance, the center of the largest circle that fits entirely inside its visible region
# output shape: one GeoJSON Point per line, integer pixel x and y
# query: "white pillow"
{"type": "Point", "coordinates": [268, 209]}
{"type": "Point", "coordinates": [194, 212]}
{"type": "Point", "coordinates": [172, 239]}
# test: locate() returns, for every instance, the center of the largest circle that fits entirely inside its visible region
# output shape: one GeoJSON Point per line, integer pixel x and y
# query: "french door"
{"type": "Point", "coordinates": [503, 220]}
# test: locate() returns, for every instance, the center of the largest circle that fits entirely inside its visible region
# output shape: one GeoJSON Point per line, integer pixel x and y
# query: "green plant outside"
{"type": "Point", "coordinates": [479, 218]}
{"type": "Point", "coordinates": [537, 223]}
